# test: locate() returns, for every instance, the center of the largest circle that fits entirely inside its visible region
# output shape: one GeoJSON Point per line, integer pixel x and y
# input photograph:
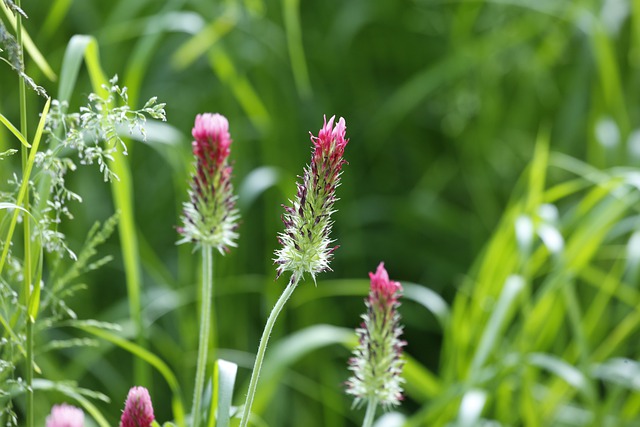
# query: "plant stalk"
{"type": "Point", "coordinates": [266, 333]}
{"type": "Point", "coordinates": [370, 415]}
{"type": "Point", "coordinates": [27, 228]}
{"type": "Point", "coordinates": [205, 326]}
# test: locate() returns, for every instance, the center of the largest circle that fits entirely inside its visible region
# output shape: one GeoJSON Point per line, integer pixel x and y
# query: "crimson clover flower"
{"type": "Point", "coordinates": [65, 416]}
{"type": "Point", "coordinates": [138, 411]}
{"type": "Point", "coordinates": [306, 240]}
{"type": "Point", "coordinates": [376, 363]}
{"type": "Point", "coordinates": [210, 216]}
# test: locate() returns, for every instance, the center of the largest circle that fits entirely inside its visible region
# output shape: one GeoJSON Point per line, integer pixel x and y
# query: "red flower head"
{"type": "Point", "coordinates": [138, 411]}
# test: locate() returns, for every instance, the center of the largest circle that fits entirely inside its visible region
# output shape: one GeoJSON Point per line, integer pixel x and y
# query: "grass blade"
{"type": "Point", "coordinates": [224, 379]}
{"type": "Point", "coordinates": [14, 131]}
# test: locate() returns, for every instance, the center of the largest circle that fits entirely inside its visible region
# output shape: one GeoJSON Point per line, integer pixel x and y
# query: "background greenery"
{"type": "Point", "coordinates": [463, 117]}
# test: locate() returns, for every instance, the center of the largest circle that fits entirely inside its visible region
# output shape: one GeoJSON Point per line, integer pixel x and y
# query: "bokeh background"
{"type": "Point", "coordinates": [444, 102]}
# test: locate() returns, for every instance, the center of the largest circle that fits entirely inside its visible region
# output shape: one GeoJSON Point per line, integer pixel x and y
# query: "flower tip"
{"type": "Point", "coordinates": [138, 411]}
{"type": "Point", "coordinates": [380, 282]}
{"type": "Point", "coordinates": [65, 416]}
{"type": "Point", "coordinates": [213, 126]}
{"type": "Point", "coordinates": [328, 125]}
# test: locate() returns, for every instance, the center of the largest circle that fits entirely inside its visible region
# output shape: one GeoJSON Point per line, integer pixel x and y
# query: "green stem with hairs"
{"type": "Point", "coordinates": [370, 415]}
{"type": "Point", "coordinates": [205, 326]}
{"type": "Point", "coordinates": [27, 228]}
{"type": "Point", "coordinates": [266, 333]}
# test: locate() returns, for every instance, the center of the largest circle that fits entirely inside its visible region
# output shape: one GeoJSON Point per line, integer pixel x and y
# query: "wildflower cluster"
{"type": "Point", "coordinates": [306, 240]}
{"type": "Point", "coordinates": [210, 216]}
{"type": "Point", "coordinates": [377, 362]}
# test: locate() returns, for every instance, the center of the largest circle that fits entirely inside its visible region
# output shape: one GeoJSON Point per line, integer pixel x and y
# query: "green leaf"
{"type": "Point", "coordinates": [429, 300]}
{"type": "Point", "coordinates": [224, 379]}
{"type": "Point", "coordinates": [198, 45]}
{"type": "Point", "coordinates": [256, 183]}
{"type": "Point", "coordinates": [559, 367]}
{"type": "Point", "coordinates": [293, 28]}
{"type": "Point", "coordinates": [14, 131]}
{"type": "Point", "coordinates": [25, 180]}
{"type": "Point", "coordinates": [492, 331]}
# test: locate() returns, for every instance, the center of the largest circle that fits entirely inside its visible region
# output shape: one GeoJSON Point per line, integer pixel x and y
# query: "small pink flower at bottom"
{"type": "Point", "coordinates": [65, 416]}
{"type": "Point", "coordinates": [138, 411]}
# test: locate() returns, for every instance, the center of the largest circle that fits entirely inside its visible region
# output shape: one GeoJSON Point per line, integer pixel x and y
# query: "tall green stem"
{"type": "Point", "coordinates": [205, 323]}
{"type": "Point", "coordinates": [27, 229]}
{"type": "Point", "coordinates": [370, 415]}
{"type": "Point", "coordinates": [266, 333]}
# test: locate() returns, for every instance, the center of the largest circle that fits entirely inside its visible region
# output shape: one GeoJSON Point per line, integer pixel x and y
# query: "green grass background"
{"type": "Point", "coordinates": [463, 116]}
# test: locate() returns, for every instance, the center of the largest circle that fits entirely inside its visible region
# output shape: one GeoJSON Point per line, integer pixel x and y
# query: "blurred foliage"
{"type": "Point", "coordinates": [446, 103]}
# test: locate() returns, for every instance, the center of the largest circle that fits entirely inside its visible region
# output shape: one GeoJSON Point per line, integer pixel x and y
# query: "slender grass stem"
{"type": "Point", "coordinates": [205, 326]}
{"type": "Point", "coordinates": [370, 415]}
{"type": "Point", "coordinates": [27, 228]}
{"type": "Point", "coordinates": [122, 192]}
{"type": "Point", "coordinates": [266, 333]}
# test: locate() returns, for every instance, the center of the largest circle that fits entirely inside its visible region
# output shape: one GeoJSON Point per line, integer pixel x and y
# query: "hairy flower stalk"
{"type": "Point", "coordinates": [65, 416]}
{"type": "Point", "coordinates": [306, 242]}
{"type": "Point", "coordinates": [209, 220]}
{"type": "Point", "coordinates": [138, 411]}
{"type": "Point", "coordinates": [376, 363]}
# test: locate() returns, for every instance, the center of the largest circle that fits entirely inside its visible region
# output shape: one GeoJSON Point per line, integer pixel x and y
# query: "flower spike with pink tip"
{"type": "Point", "coordinates": [306, 242]}
{"type": "Point", "coordinates": [138, 411]}
{"type": "Point", "coordinates": [210, 217]}
{"type": "Point", "coordinates": [377, 363]}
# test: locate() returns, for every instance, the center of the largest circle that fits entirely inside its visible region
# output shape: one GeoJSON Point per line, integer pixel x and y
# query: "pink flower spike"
{"type": "Point", "coordinates": [138, 411]}
{"type": "Point", "coordinates": [307, 246]}
{"type": "Point", "coordinates": [377, 361]}
{"type": "Point", "coordinates": [210, 217]}
{"type": "Point", "coordinates": [65, 416]}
